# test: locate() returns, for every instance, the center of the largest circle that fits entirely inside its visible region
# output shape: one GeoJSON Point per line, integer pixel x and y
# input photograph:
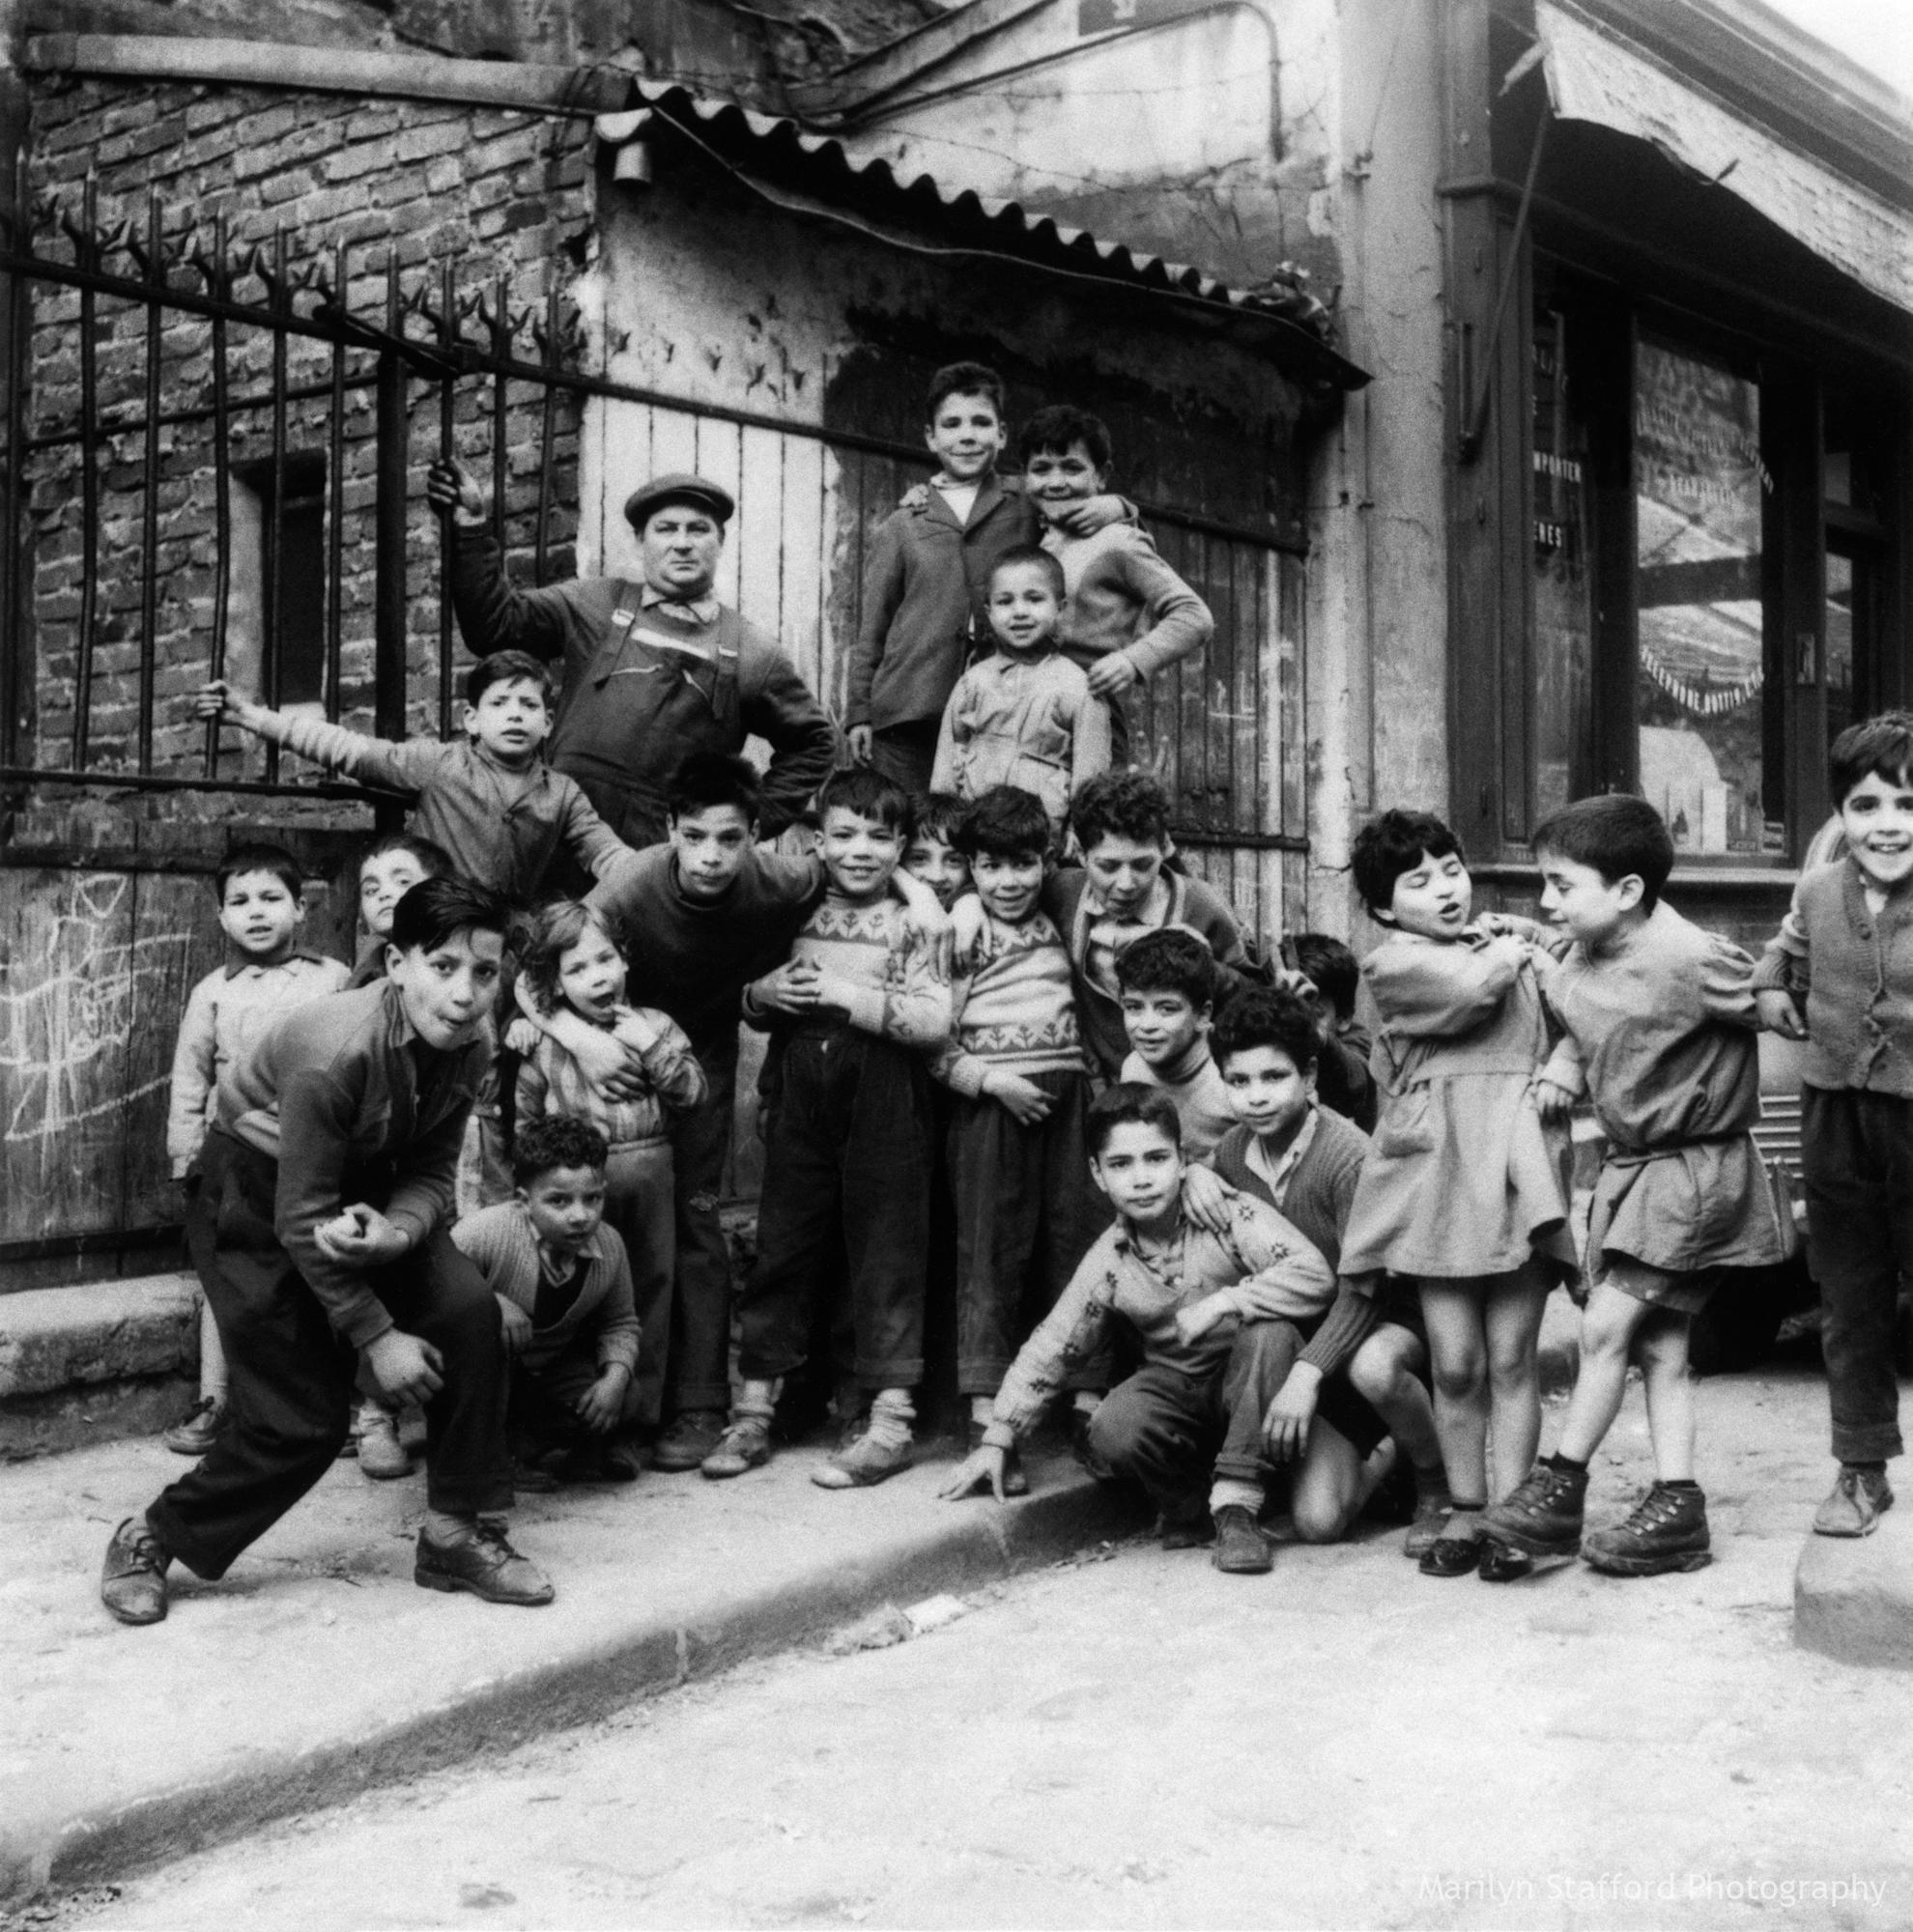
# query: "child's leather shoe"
{"type": "Point", "coordinates": [1667, 1530]}
{"type": "Point", "coordinates": [484, 1563]}
{"type": "Point", "coordinates": [1241, 1548]}
{"type": "Point", "coordinates": [1543, 1515]}
{"type": "Point", "coordinates": [132, 1580]}
{"type": "Point", "coordinates": [743, 1445]}
{"type": "Point", "coordinates": [690, 1438]}
{"type": "Point", "coordinates": [198, 1429]}
{"type": "Point", "coordinates": [1858, 1500]}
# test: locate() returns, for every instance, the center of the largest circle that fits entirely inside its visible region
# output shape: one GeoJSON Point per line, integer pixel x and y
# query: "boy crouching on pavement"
{"type": "Point", "coordinates": [563, 1283]}
{"type": "Point", "coordinates": [856, 1009]}
{"type": "Point", "coordinates": [1216, 1317]}
{"type": "Point", "coordinates": [315, 1216]}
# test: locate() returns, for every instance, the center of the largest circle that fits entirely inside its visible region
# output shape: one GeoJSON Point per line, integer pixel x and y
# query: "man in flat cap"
{"type": "Point", "coordinates": [653, 670]}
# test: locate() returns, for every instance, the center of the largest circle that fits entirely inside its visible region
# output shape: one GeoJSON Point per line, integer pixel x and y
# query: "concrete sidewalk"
{"type": "Point", "coordinates": [317, 1668]}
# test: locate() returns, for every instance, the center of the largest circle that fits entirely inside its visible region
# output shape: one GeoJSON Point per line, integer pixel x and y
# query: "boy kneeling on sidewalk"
{"type": "Point", "coordinates": [562, 1277]}
{"type": "Point", "coordinates": [315, 1216]}
{"type": "Point", "coordinates": [1220, 1319]}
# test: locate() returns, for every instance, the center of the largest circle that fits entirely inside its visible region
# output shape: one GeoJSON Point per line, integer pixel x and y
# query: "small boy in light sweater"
{"type": "Point", "coordinates": [261, 913]}
{"type": "Point", "coordinates": [1026, 1211]}
{"type": "Point", "coordinates": [1024, 715]}
{"type": "Point", "coordinates": [857, 1009]}
{"type": "Point", "coordinates": [1168, 982]}
{"type": "Point", "coordinates": [563, 1285]}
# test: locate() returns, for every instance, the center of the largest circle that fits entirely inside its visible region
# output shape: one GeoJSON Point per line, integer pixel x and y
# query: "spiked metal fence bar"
{"type": "Point", "coordinates": [1228, 735]}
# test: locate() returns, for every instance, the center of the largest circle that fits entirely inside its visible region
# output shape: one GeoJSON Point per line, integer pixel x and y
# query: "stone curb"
{"type": "Point", "coordinates": [1853, 1597]}
{"type": "Point", "coordinates": [963, 1553]}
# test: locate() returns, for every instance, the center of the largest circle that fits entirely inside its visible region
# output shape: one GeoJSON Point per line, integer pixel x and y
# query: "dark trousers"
{"type": "Point", "coordinates": [1026, 1212]}
{"type": "Point", "coordinates": [543, 1410]}
{"type": "Point", "coordinates": [698, 1372]}
{"type": "Point", "coordinates": [1856, 1155]}
{"type": "Point", "coordinates": [1171, 1432]}
{"type": "Point", "coordinates": [846, 1148]}
{"type": "Point", "coordinates": [639, 1202]}
{"type": "Point", "coordinates": [906, 753]}
{"type": "Point", "coordinates": [292, 1376]}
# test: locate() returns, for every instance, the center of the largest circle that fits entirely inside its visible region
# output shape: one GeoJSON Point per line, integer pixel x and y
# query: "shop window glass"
{"type": "Point", "coordinates": [1564, 630]}
{"type": "Point", "coordinates": [1700, 694]}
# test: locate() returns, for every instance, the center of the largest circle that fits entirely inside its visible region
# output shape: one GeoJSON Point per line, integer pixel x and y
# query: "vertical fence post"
{"type": "Point", "coordinates": [86, 251]}
{"type": "Point", "coordinates": [149, 524]}
{"type": "Point", "coordinates": [388, 547]}
{"type": "Point", "coordinates": [219, 286]}
{"type": "Point", "coordinates": [17, 687]}
{"type": "Point", "coordinates": [272, 628]}
{"type": "Point", "coordinates": [447, 397]}
{"type": "Point", "coordinates": [336, 494]}
{"type": "Point", "coordinates": [547, 432]}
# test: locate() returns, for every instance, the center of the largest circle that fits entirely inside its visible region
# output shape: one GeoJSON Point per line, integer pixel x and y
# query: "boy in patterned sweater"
{"type": "Point", "coordinates": [856, 1009]}
{"type": "Point", "coordinates": [1025, 1209]}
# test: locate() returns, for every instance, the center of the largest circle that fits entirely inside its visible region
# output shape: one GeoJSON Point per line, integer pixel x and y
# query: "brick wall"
{"type": "Point", "coordinates": [492, 193]}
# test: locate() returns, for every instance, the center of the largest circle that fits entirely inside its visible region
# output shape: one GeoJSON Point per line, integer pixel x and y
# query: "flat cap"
{"type": "Point", "coordinates": [678, 487]}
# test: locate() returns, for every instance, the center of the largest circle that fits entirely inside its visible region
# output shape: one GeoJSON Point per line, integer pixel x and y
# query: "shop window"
{"type": "Point", "coordinates": [1700, 684]}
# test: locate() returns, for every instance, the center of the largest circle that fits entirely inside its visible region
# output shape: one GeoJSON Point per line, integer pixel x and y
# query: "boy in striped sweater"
{"type": "Point", "coordinates": [856, 1010]}
{"type": "Point", "coordinates": [1026, 1211]}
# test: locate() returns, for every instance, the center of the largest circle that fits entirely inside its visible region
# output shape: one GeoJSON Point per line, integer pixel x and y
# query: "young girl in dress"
{"type": "Point", "coordinates": [577, 959]}
{"type": "Point", "coordinates": [1465, 1187]}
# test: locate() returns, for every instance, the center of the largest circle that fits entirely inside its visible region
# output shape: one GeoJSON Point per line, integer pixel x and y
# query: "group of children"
{"type": "Point", "coordinates": [994, 988]}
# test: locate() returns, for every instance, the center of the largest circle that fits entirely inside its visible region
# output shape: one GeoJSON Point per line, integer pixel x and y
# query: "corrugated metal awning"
{"type": "Point", "coordinates": [1593, 76]}
{"type": "Point", "coordinates": [819, 174]}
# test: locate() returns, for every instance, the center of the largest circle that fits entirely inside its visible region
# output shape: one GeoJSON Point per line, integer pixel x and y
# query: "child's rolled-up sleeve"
{"type": "Point", "coordinates": [1179, 622]}
{"type": "Point", "coordinates": [1786, 962]}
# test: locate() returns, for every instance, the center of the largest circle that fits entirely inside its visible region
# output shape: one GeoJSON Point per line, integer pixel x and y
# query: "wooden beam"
{"type": "Point", "coordinates": [553, 90]}
{"type": "Point", "coordinates": [855, 88]}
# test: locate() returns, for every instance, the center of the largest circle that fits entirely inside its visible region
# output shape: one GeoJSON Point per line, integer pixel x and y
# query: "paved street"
{"type": "Point", "coordinates": [1142, 1741]}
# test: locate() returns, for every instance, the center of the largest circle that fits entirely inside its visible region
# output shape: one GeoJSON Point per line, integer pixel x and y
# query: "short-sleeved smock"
{"type": "Point", "coordinates": [1464, 1178]}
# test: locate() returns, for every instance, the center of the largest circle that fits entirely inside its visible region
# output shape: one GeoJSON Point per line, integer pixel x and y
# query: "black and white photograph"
{"type": "Point", "coordinates": [956, 965]}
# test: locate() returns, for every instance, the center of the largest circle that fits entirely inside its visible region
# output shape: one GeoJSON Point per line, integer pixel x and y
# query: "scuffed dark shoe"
{"type": "Point", "coordinates": [688, 1441]}
{"type": "Point", "coordinates": [485, 1564]}
{"type": "Point", "coordinates": [1188, 1528]}
{"type": "Point", "coordinates": [381, 1454]}
{"type": "Point", "coordinates": [876, 1454]}
{"type": "Point", "coordinates": [1453, 1555]}
{"type": "Point", "coordinates": [1241, 1548]}
{"type": "Point", "coordinates": [1016, 1481]}
{"type": "Point", "coordinates": [1666, 1531]}
{"type": "Point", "coordinates": [198, 1429]}
{"type": "Point", "coordinates": [1503, 1564]}
{"type": "Point", "coordinates": [1544, 1515]}
{"type": "Point", "coordinates": [743, 1445]}
{"type": "Point", "coordinates": [1860, 1498]}
{"type": "Point", "coordinates": [132, 1579]}
{"type": "Point", "coordinates": [623, 1462]}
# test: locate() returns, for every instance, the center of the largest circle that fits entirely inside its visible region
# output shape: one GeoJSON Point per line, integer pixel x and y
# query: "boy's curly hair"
{"type": "Point", "coordinates": [1123, 805]}
{"type": "Point", "coordinates": [1880, 746]}
{"type": "Point", "coordinates": [1168, 960]}
{"type": "Point", "coordinates": [963, 379]}
{"type": "Point", "coordinates": [1331, 968]}
{"type": "Point", "coordinates": [1052, 429]}
{"type": "Point", "coordinates": [1130, 1103]}
{"type": "Point", "coordinates": [865, 791]}
{"type": "Point", "coordinates": [1267, 1016]}
{"type": "Point", "coordinates": [259, 857]}
{"type": "Point", "coordinates": [936, 814]}
{"type": "Point", "coordinates": [559, 1140]}
{"type": "Point", "coordinates": [1006, 822]}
